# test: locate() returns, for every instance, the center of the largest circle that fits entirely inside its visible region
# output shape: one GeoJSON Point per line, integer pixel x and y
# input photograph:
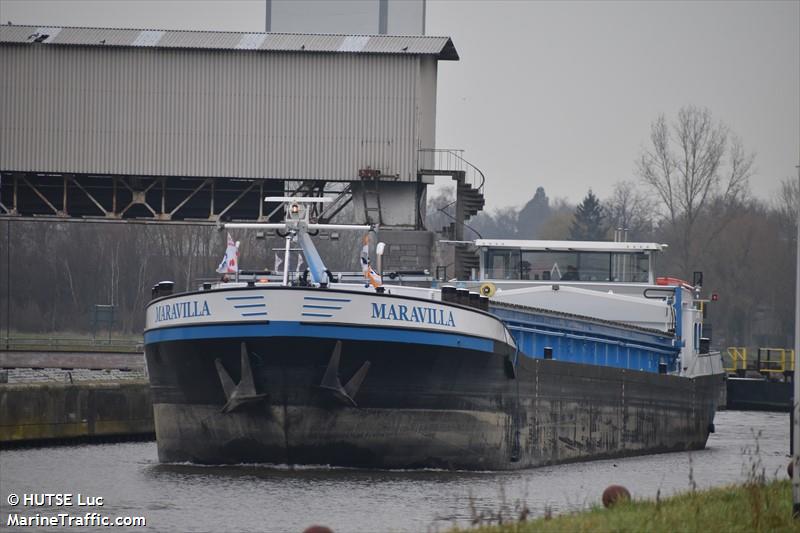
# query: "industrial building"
{"type": "Point", "coordinates": [122, 124]}
{"type": "Point", "coordinates": [392, 17]}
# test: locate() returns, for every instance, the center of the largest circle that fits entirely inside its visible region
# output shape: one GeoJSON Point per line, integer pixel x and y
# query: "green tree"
{"type": "Point", "coordinates": [534, 215]}
{"type": "Point", "coordinates": [589, 222]}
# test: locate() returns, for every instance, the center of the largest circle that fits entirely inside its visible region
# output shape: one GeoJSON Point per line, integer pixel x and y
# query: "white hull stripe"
{"type": "Point", "coordinates": [297, 329]}
{"type": "Point", "coordinates": [313, 306]}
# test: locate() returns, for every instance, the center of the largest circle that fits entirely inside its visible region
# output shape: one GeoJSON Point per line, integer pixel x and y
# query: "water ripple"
{"type": "Point", "coordinates": [261, 497]}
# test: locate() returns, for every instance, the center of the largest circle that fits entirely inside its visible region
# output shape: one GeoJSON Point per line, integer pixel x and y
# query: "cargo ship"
{"type": "Point", "coordinates": [514, 369]}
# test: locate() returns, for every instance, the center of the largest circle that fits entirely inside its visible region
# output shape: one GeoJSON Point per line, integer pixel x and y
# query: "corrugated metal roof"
{"type": "Point", "coordinates": [441, 47]}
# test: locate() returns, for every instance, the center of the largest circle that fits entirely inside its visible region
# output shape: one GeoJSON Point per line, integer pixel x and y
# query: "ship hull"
{"type": "Point", "coordinates": [420, 405]}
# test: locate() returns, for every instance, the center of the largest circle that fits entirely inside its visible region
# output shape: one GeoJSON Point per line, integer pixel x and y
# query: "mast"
{"type": "Point", "coordinates": [296, 226]}
{"type": "Point", "coordinates": [795, 378]}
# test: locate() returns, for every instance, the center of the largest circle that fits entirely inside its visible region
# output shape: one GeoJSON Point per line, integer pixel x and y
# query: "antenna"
{"type": "Point", "coordinates": [795, 418]}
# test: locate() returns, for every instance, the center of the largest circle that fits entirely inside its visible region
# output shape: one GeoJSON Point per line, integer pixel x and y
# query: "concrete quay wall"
{"type": "Point", "coordinates": [47, 411]}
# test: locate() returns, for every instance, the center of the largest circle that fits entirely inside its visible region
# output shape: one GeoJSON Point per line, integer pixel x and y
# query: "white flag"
{"type": "Point", "coordinates": [230, 263]}
{"type": "Point", "coordinates": [373, 278]}
{"type": "Point", "coordinates": [299, 261]}
{"type": "Point", "coordinates": [365, 257]}
{"type": "Point", "coordinates": [278, 262]}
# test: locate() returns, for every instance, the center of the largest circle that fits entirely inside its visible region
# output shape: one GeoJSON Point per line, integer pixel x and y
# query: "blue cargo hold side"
{"type": "Point", "coordinates": [578, 341]}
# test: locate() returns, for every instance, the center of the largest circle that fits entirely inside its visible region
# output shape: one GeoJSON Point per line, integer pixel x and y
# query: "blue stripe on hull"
{"type": "Point", "coordinates": [296, 329]}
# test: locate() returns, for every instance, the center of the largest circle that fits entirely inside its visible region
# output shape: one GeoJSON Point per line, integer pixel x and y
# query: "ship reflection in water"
{"type": "Point", "coordinates": [182, 497]}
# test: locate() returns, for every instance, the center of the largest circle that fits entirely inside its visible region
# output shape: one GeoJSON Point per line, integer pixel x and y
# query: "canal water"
{"type": "Point", "coordinates": [182, 497]}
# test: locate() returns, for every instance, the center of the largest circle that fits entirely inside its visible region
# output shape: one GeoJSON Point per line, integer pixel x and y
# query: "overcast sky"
{"type": "Point", "coordinates": [560, 94]}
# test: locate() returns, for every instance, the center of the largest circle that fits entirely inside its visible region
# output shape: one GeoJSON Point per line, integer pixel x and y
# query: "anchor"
{"type": "Point", "coordinates": [330, 381]}
{"type": "Point", "coordinates": [245, 392]}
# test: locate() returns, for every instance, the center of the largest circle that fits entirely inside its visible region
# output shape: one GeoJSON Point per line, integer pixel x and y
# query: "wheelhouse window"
{"type": "Point", "coordinates": [542, 265]}
{"type": "Point", "coordinates": [566, 266]}
{"type": "Point", "coordinates": [502, 264]}
{"type": "Point", "coordinates": [631, 267]}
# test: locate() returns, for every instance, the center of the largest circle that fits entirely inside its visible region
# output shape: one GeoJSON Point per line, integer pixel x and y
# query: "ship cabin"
{"type": "Point", "coordinates": [573, 261]}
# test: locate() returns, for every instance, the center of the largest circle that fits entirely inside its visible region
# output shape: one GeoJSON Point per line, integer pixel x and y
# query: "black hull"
{"type": "Point", "coordinates": [419, 406]}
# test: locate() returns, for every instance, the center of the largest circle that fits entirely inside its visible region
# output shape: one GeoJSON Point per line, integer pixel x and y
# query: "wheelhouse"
{"type": "Point", "coordinates": [589, 261]}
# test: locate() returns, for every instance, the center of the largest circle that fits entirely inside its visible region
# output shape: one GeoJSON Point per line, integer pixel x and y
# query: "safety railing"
{"type": "Point", "coordinates": [736, 359]}
{"type": "Point", "coordinates": [448, 160]}
{"type": "Point", "coordinates": [775, 360]}
{"type": "Point", "coordinates": [69, 344]}
{"type": "Point", "coordinates": [766, 361]}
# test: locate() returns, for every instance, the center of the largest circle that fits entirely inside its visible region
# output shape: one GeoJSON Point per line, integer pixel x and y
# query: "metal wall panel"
{"type": "Point", "coordinates": [213, 113]}
{"type": "Point", "coordinates": [428, 70]}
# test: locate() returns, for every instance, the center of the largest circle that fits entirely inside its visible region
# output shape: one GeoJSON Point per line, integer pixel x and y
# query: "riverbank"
{"type": "Point", "coordinates": [754, 506]}
{"type": "Point", "coordinates": [56, 395]}
{"type": "Point", "coordinates": [44, 412]}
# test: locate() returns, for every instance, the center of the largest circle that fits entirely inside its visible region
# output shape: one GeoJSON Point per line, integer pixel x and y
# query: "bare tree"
{"type": "Point", "coordinates": [629, 208]}
{"type": "Point", "coordinates": [692, 164]}
{"type": "Point", "coordinates": [439, 209]}
{"type": "Point", "coordinates": [786, 207]}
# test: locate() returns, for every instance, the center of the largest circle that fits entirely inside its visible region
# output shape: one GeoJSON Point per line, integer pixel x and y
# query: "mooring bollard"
{"type": "Point", "coordinates": [317, 529]}
{"type": "Point", "coordinates": [615, 494]}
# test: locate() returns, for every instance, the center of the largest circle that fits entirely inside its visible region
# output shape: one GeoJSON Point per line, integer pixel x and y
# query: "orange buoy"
{"type": "Point", "coordinates": [673, 281]}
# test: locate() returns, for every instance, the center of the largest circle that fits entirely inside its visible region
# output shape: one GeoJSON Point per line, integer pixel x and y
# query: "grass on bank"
{"type": "Point", "coordinates": [753, 507]}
